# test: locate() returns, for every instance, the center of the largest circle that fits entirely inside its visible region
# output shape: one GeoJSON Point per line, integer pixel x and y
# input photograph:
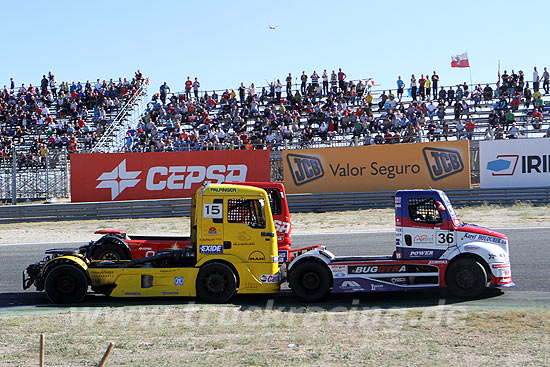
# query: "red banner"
{"type": "Point", "coordinates": [136, 176]}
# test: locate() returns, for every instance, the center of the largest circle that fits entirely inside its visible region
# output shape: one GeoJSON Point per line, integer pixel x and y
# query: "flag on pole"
{"type": "Point", "coordinates": [460, 61]}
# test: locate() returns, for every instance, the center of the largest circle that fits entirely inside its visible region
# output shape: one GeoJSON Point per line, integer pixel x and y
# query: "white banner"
{"type": "Point", "coordinates": [514, 163]}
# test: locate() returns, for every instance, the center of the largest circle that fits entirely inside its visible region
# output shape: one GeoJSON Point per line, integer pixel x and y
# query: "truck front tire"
{"type": "Point", "coordinates": [109, 252]}
{"type": "Point", "coordinates": [466, 278]}
{"type": "Point", "coordinates": [66, 284]}
{"type": "Point", "coordinates": [310, 281]}
{"type": "Point", "coordinates": [216, 283]}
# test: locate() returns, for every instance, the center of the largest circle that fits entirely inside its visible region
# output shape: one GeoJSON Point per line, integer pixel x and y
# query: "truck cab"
{"type": "Point", "coordinates": [117, 245]}
{"type": "Point", "coordinates": [433, 249]}
{"type": "Point", "coordinates": [233, 249]}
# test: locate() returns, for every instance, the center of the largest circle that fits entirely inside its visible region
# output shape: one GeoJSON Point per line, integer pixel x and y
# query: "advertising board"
{"type": "Point", "coordinates": [514, 163]}
{"type": "Point", "coordinates": [441, 165]}
{"type": "Point", "coordinates": [136, 176]}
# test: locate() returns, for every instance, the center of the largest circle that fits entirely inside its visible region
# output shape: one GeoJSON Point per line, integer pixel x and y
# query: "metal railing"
{"type": "Point", "coordinates": [112, 140]}
{"type": "Point", "coordinates": [297, 203]}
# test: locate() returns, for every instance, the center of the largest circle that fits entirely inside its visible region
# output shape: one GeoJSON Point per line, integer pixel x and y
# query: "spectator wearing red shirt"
{"type": "Point", "coordinates": [188, 86]}
{"type": "Point", "coordinates": [341, 79]}
{"type": "Point", "coordinates": [422, 86]}
{"type": "Point", "coordinates": [470, 126]}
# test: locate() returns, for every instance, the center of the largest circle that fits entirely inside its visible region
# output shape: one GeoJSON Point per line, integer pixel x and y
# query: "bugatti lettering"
{"type": "Point", "coordinates": [174, 178]}
{"type": "Point", "coordinates": [377, 269]}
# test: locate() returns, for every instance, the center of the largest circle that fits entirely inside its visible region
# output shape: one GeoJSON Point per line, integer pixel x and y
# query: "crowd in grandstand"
{"type": "Point", "coordinates": [319, 109]}
{"type": "Point", "coordinates": [322, 108]}
{"type": "Point", "coordinates": [53, 117]}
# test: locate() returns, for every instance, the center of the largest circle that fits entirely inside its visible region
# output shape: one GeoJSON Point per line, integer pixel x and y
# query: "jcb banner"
{"type": "Point", "coordinates": [136, 176]}
{"type": "Point", "coordinates": [441, 165]}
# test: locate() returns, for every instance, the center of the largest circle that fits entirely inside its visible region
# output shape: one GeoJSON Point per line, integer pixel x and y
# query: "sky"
{"type": "Point", "coordinates": [224, 43]}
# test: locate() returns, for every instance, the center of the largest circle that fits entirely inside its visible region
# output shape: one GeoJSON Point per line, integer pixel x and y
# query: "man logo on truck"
{"type": "Point", "coordinates": [304, 168]}
{"type": "Point", "coordinates": [442, 162]}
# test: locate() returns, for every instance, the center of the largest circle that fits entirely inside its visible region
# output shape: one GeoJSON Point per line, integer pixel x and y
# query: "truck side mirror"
{"type": "Point", "coordinates": [440, 206]}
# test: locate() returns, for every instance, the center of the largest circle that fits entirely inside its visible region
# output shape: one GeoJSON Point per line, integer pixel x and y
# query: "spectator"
{"type": "Point", "coordinates": [413, 87]}
{"type": "Point", "coordinates": [470, 127]}
{"type": "Point", "coordinates": [196, 86]}
{"type": "Point", "coordinates": [341, 80]}
{"type": "Point", "coordinates": [536, 80]}
{"type": "Point", "coordinates": [546, 81]}
{"type": "Point", "coordinates": [435, 82]}
{"type": "Point", "coordinates": [325, 82]}
{"type": "Point", "coordinates": [334, 82]}
{"type": "Point", "coordinates": [527, 95]}
{"type": "Point", "coordinates": [303, 87]}
{"type": "Point", "coordinates": [289, 85]}
{"type": "Point", "coordinates": [164, 90]}
{"type": "Point", "coordinates": [400, 88]}
{"type": "Point", "coordinates": [428, 86]}
{"type": "Point", "coordinates": [487, 93]}
{"type": "Point", "coordinates": [513, 131]}
{"type": "Point", "coordinates": [188, 86]}
{"type": "Point", "coordinates": [422, 86]}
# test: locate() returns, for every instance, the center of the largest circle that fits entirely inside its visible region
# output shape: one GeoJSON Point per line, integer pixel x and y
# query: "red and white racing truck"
{"type": "Point", "coordinates": [117, 245]}
{"type": "Point", "coordinates": [433, 249]}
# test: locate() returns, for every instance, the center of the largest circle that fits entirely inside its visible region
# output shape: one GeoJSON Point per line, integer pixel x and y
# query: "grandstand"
{"type": "Point", "coordinates": [41, 125]}
{"type": "Point", "coordinates": [340, 119]}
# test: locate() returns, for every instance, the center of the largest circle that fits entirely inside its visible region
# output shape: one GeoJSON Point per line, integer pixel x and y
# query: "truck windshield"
{"type": "Point", "coordinates": [274, 200]}
{"type": "Point", "coordinates": [246, 211]}
{"type": "Point", "coordinates": [450, 209]}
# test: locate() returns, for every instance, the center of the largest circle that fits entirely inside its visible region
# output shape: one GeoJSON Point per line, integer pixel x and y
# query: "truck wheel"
{"type": "Point", "coordinates": [66, 284]}
{"type": "Point", "coordinates": [466, 278]}
{"type": "Point", "coordinates": [110, 252]}
{"type": "Point", "coordinates": [310, 281]}
{"type": "Point", "coordinates": [216, 283]}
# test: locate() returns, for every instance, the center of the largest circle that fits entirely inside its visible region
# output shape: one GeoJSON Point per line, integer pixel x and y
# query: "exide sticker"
{"type": "Point", "coordinates": [211, 249]}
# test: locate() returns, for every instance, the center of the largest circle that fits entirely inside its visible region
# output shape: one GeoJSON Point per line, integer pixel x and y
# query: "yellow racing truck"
{"type": "Point", "coordinates": [233, 250]}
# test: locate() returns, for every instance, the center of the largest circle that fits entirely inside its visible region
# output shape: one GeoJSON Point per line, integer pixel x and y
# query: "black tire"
{"type": "Point", "coordinates": [216, 283]}
{"type": "Point", "coordinates": [66, 284]}
{"type": "Point", "coordinates": [466, 278]}
{"type": "Point", "coordinates": [310, 281]}
{"type": "Point", "coordinates": [109, 252]}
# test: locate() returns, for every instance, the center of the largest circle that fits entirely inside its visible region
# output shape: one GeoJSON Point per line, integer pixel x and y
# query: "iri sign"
{"type": "Point", "coordinates": [135, 176]}
{"type": "Point", "coordinates": [514, 163]}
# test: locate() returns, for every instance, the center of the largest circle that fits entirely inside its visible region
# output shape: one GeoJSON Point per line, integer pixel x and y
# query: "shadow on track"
{"type": "Point", "coordinates": [283, 301]}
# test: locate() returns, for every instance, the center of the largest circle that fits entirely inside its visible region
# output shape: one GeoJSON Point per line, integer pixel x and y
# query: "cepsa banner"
{"type": "Point", "coordinates": [441, 165]}
{"type": "Point", "coordinates": [136, 176]}
{"type": "Point", "coordinates": [514, 163]}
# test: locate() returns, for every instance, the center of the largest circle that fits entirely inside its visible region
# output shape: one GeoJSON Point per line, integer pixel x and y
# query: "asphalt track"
{"type": "Point", "coordinates": [528, 253]}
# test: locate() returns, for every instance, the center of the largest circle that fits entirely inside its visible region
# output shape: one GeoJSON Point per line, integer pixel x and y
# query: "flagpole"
{"type": "Point", "coordinates": [470, 69]}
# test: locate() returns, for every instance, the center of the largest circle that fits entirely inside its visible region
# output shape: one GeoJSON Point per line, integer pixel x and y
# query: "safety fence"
{"type": "Point", "coordinates": [297, 203]}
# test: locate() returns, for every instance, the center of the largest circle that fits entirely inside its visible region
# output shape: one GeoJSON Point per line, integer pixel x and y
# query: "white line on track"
{"type": "Point", "coordinates": [75, 244]}
{"type": "Point", "coordinates": [294, 235]}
